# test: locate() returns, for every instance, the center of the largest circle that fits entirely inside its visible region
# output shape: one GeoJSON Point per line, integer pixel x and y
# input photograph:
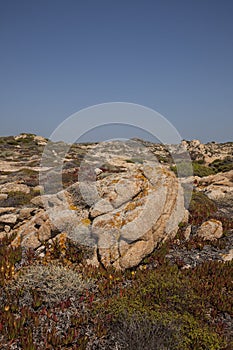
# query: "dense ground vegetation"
{"type": "Point", "coordinates": [200, 169]}
{"type": "Point", "coordinates": [56, 302]}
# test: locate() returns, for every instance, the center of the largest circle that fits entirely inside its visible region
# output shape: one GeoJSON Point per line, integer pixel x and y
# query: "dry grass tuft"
{"type": "Point", "coordinates": [53, 282]}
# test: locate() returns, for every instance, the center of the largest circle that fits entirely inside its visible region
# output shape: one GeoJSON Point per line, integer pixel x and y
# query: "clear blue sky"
{"type": "Point", "coordinates": [175, 56]}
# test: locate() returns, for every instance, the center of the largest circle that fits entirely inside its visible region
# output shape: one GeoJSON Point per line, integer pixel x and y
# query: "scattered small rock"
{"type": "Point", "coordinates": [210, 230]}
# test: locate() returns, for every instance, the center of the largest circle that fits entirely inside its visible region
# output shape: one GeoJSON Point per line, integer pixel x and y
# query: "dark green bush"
{"type": "Point", "coordinates": [201, 170]}
{"type": "Point", "coordinates": [184, 169]}
{"type": "Point", "coordinates": [176, 300]}
{"type": "Point", "coordinates": [138, 332]}
{"type": "Point", "coordinates": [222, 165]}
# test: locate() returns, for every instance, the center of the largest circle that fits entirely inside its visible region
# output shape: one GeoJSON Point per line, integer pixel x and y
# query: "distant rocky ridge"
{"type": "Point", "coordinates": [132, 204]}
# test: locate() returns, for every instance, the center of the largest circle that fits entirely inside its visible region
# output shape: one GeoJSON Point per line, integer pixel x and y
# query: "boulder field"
{"type": "Point", "coordinates": [130, 206]}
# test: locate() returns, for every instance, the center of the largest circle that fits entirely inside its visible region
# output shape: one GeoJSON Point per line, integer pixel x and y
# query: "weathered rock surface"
{"type": "Point", "coordinates": [9, 218]}
{"type": "Point", "coordinates": [135, 210]}
{"type": "Point", "coordinates": [208, 152]}
{"type": "Point", "coordinates": [14, 187]}
{"type": "Point", "coordinates": [141, 217]}
{"type": "Point", "coordinates": [228, 256]}
{"type": "Point", "coordinates": [217, 186]}
{"type": "Point", "coordinates": [210, 230]}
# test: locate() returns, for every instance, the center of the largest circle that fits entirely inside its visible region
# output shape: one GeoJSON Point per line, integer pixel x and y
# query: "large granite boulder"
{"type": "Point", "coordinates": [140, 208]}
{"type": "Point", "coordinates": [123, 216]}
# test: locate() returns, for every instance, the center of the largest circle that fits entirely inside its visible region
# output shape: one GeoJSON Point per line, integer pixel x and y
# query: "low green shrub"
{"type": "Point", "coordinates": [140, 332]}
{"type": "Point", "coordinates": [201, 208]}
{"type": "Point", "coordinates": [222, 165]}
{"type": "Point", "coordinates": [183, 298]}
{"type": "Point", "coordinates": [202, 170]}
{"type": "Point", "coordinates": [184, 169]}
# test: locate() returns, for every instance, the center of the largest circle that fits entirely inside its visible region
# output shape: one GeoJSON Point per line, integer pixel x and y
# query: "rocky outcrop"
{"type": "Point", "coordinates": [217, 186]}
{"type": "Point", "coordinates": [208, 152]}
{"type": "Point", "coordinates": [140, 209]}
{"type": "Point", "coordinates": [126, 206]}
{"type": "Point", "coordinates": [135, 210]}
{"type": "Point", "coordinates": [14, 187]}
